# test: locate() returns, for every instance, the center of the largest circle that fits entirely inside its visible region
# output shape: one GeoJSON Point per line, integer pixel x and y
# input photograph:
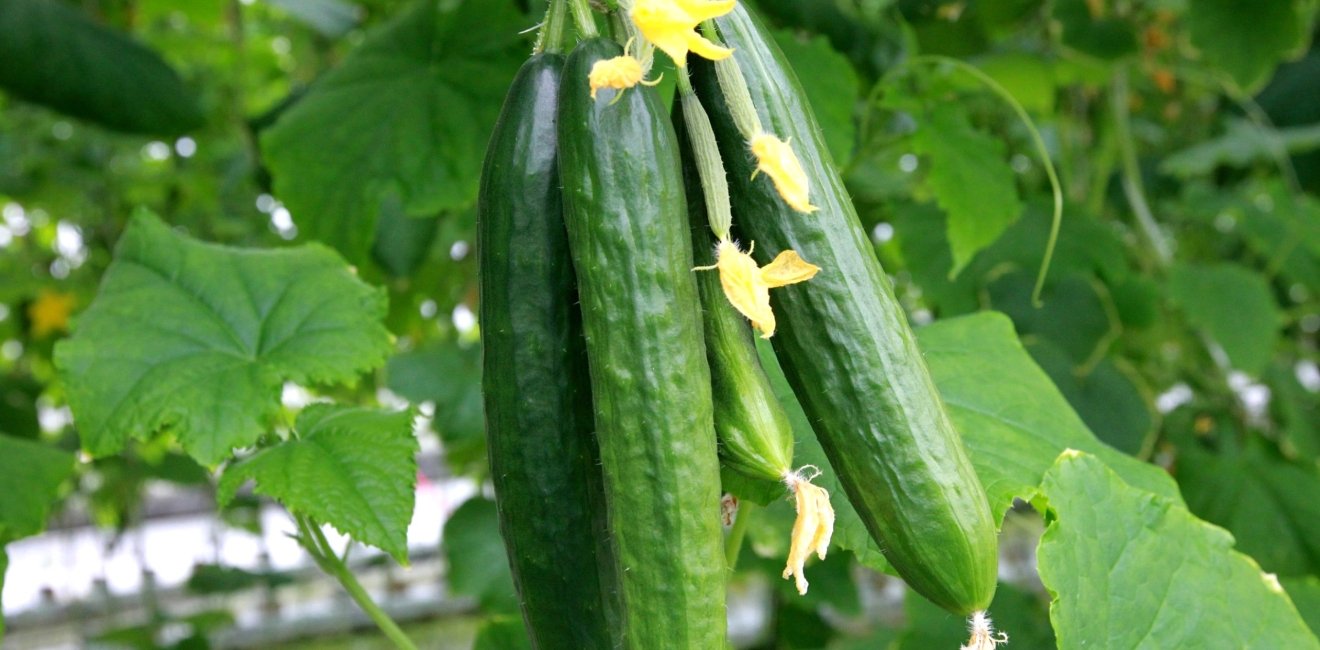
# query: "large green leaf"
{"type": "Point", "coordinates": [1246, 39]}
{"type": "Point", "coordinates": [831, 86]}
{"type": "Point", "coordinates": [1099, 33]}
{"type": "Point", "coordinates": [1234, 305]}
{"type": "Point", "coordinates": [1305, 593]}
{"type": "Point", "coordinates": [1130, 569]}
{"type": "Point", "coordinates": [1242, 144]}
{"type": "Point", "coordinates": [352, 468]}
{"type": "Point", "coordinates": [1271, 506]}
{"type": "Point", "coordinates": [407, 116]}
{"type": "Point", "coordinates": [30, 477]}
{"type": "Point", "coordinates": [1015, 429]}
{"type": "Point", "coordinates": [55, 55]}
{"type": "Point", "coordinates": [478, 565]}
{"type": "Point", "coordinates": [1107, 396]}
{"type": "Point", "coordinates": [970, 179]}
{"type": "Point", "coordinates": [200, 338]}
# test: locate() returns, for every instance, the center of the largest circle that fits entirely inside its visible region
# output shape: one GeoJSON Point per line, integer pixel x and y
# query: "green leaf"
{"type": "Point", "coordinates": [970, 180]}
{"type": "Point", "coordinates": [1101, 35]}
{"type": "Point", "coordinates": [1268, 504]}
{"type": "Point", "coordinates": [478, 565]}
{"type": "Point", "coordinates": [1015, 429]}
{"type": "Point", "coordinates": [1243, 144]}
{"type": "Point", "coordinates": [1131, 569]}
{"type": "Point", "coordinates": [407, 116]}
{"type": "Point", "coordinates": [1246, 39]}
{"type": "Point", "coordinates": [4, 566]}
{"type": "Point", "coordinates": [1305, 593]}
{"type": "Point", "coordinates": [55, 55]}
{"type": "Point", "coordinates": [1107, 397]}
{"type": "Point", "coordinates": [353, 468]}
{"type": "Point", "coordinates": [219, 579]}
{"type": "Point", "coordinates": [31, 474]}
{"type": "Point", "coordinates": [449, 375]}
{"type": "Point", "coordinates": [831, 86]}
{"type": "Point", "coordinates": [402, 242]}
{"type": "Point", "coordinates": [1073, 315]}
{"type": "Point", "coordinates": [199, 339]}
{"type": "Point", "coordinates": [1234, 305]}
{"type": "Point", "coordinates": [332, 18]}
{"type": "Point", "coordinates": [502, 633]}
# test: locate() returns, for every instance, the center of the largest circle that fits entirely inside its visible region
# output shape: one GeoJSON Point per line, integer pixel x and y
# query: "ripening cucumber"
{"type": "Point", "coordinates": [628, 234]}
{"type": "Point", "coordinates": [848, 350]}
{"type": "Point", "coordinates": [535, 379]}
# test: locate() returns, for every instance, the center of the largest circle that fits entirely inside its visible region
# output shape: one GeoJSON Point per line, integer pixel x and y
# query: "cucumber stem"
{"type": "Point", "coordinates": [734, 541]}
{"type": "Point", "coordinates": [586, 22]}
{"type": "Point", "coordinates": [736, 95]}
{"type": "Point", "coordinates": [551, 37]}
{"type": "Point", "coordinates": [710, 166]}
{"type": "Point", "coordinates": [314, 541]}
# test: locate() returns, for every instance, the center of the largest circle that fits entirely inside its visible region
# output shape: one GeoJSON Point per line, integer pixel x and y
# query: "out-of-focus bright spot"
{"type": "Point", "coordinates": [1255, 397]}
{"type": "Point", "coordinates": [6, 236]}
{"type": "Point", "coordinates": [61, 130]}
{"type": "Point", "coordinates": [1264, 202]}
{"type": "Point", "coordinates": [282, 221]}
{"type": "Point", "coordinates": [1310, 323]}
{"type": "Point", "coordinates": [4, 312]}
{"type": "Point", "coordinates": [156, 150]}
{"type": "Point", "coordinates": [464, 319]}
{"type": "Point", "coordinates": [459, 250]}
{"type": "Point", "coordinates": [1225, 222]}
{"type": "Point", "coordinates": [53, 419]}
{"type": "Point", "coordinates": [389, 399]}
{"type": "Point", "coordinates": [294, 396]}
{"type": "Point", "coordinates": [1171, 399]}
{"type": "Point", "coordinates": [922, 317]}
{"type": "Point", "coordinates": [427, 409]}
{"type": "Point", "coordinates": [59, 269]}
{"type": "Point", "coordinates": [11, 350]}
{"type": "Point", "coordinates": [1308, 375]}
{"type": "Point", "coordinates": [882, 233]}
{"type": "Point", "coordinates": [16, 219]}
{"type": "Point", "coordinates": [246, 2]}
{"type": "Point", "coordinates": [69, 243]}
{"type": "Point", "coordinates": [428, 308]}
{"type": "Point", "coordinates": [907, 163]}
{"type": "Point", "coordinates": [1020, 163]}
{"type": "Point", "coordinates": [185, 147]}
{"type": "Point", "coordinates": [1298, 293]}
{"type": "Point", "coordinates": [281, 45]}
{"type": "Point", "coordinates": [266, 203]}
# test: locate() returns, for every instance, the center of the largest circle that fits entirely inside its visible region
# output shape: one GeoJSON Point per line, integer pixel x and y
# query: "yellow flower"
{"type": "Point", "coordinates": [49, 313]}
{"type": "Point", "coordinates": [670, 25]}
{"type": "Point", "coordinates": [619, 73]}
{"type": "Point", "coordinates": [748, 286]}
{"type": "Point", "coordinates": [812, 529]}
{"type": "Point", "coordinates": [776, 158]}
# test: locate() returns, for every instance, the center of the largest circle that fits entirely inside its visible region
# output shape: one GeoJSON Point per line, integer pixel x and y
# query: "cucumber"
{"type": "Point", "coordinates": [535, 378]}
{"type": "Point", "coordinates": [627, 227]}
{"type": "Point", "coordinates": [848, 350]}
{"type": "Point", "coordinates": [754, 433]}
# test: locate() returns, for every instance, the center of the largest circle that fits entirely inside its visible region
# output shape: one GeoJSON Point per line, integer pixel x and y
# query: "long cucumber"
{"type": "Point", "coordinates": [535, 380]}
{"type": "Point", "coordinates": [627, 227]}
{"type": "Point", "coordinates": [847, 347]}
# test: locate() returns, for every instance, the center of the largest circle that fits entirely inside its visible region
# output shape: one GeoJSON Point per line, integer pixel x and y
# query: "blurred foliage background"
{"type": "Point", "coordinates": [1179, 317]}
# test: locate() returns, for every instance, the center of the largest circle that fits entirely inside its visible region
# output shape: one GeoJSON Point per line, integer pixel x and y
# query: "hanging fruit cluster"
{"type": "Point", "coordinates": [618, 311]}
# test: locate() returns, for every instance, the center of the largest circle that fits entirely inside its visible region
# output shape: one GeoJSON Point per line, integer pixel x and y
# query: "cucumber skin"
{"type": "Point", "coordinates": [628, 233]}
{"type": "Point", "coordinates": [535, 380]}
{"type": "Point", "coordinates": [848, 351]}
{"type": "Point", "coordinates": [754, 433]}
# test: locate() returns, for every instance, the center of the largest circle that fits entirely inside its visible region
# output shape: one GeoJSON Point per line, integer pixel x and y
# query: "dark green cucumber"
{"type": "Point", "coordinates": [627, 227]}
{"type": "Point", "coordinates": [755, 436]}
{"type": "Point", "coordinates": [848, 350]}
{"type": "Point", "coordinates": [535, 378]}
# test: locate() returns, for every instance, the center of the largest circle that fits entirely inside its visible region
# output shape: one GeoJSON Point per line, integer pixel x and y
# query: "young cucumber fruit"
{"type": "Point", "coordinates": [628, 233]}
{"type": "Point", "coordinates": [538, 408]}
{"type": "Point", "coordinates": [848, 350]}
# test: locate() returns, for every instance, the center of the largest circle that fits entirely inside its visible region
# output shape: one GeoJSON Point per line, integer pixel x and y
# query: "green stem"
{"type": "Point", "coordinates": [1055, 186]}
{"type": "Point", "coordinates": [734, 541]}
{"type": "Point", "coordinates": [1133, 187]}
{"type": "Point", "coordinates": [586, 22]}
{"type": "Point", "coordinates": [315, 542]}
{"type": "Point", "coordinates": [551, 37]}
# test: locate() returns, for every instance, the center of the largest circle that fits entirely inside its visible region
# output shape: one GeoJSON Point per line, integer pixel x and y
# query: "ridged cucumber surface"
{"type": "Point", "coordinates": [538, 403]}
{"type": "Point", "coordinates": [848, 350]}
{"type": "Point", "coordinates": [628, 232]}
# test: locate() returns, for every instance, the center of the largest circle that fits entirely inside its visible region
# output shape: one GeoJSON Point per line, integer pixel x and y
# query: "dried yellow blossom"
{"type": "Point", "coordinates": [671, 25]}
{"type": "Point", "coordinates": [748, 286]}
{"type": "Point", "coordinates": [983, 634]}
{"type": "Point", "coordinates": [619, 73]}
{"type": "Point", "coordinates": [50, 312]}
{"type": "Point", "coordinates": [812, 529]}
{"type": "Point", "coordinates": [776, 158]}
